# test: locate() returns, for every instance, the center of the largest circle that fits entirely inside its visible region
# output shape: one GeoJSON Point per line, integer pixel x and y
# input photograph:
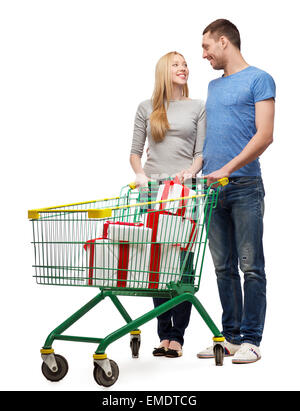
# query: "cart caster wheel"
{"type": "Point", "coordinates": [102, 379]}
{"type": "Point", "coordinates": [219, 354]}
{"type": "Point", "coordinates": [135, 344]}
{"type": "Point", "coordinates": [60, 373]}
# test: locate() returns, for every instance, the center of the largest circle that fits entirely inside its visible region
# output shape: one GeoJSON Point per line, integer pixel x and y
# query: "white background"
{"type": "Point", "coordinates": [72, 74]}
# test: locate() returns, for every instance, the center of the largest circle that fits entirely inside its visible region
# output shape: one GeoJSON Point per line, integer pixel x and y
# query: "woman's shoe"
{"type": "Point", "coordinates": [174, 350]}
{"type": "Point", "coordinates": [160, 351]}
{"type": "Point", "coordinates": [173, 353]}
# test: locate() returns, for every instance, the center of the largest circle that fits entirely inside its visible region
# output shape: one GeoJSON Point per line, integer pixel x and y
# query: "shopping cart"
{"type": "Point", "coordinates": [125, 246]}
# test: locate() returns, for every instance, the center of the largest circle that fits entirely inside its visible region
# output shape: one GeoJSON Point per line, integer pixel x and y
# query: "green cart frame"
{"type": "Point", "coordinates": [68, 248]}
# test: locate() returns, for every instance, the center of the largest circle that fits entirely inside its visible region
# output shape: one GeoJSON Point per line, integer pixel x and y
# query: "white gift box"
{"type": "Point", "coordinates": [165, 258]}
{"type": "Point", "coordinates": [115, 262]}
{"type": "Point", "coordinates": [173, 190]}
{"type": "Point", "coordinates": [142, 262]}
{"type": "Point", "coordinates": [177, 230]}
{"type": "Point", "coordinates": [101, 262]}
{"type": "Point", "coordinates": [169, 265]}
{"type": "Point", "coordinates": [113, 265]}
{"type": "Point", "coordinates": [132, 232]}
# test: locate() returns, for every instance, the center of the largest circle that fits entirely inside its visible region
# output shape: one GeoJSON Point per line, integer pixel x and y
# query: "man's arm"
{"type": "Point", "coordinates": [264, 120]}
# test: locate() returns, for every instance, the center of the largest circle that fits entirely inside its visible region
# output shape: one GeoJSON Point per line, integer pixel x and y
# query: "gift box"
{"type": "Point", "coordinates": [171, 238]}
{"type": "Point", "coordinates": [174, 189]}
{"type": "Point", "coordinates": [165, 256]}
{"type": "Point", "coordinates": [101, 262]}
{"type": "Point", "coordinates": [168, 267]}
{"type": "Point", "coordinates": [135, 255]}
{"type": "Point", "coordinates": [123, 231]}
{"type": "Point", "coordinates": [121, 257]}
{"type": "Point", "coordinates": [177, 230]}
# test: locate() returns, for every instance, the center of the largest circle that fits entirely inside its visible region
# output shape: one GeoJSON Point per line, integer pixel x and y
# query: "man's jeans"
{"type": "Point", "coordinates": [235, 237]}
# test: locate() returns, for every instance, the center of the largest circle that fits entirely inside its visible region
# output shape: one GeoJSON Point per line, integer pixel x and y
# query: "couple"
{"type": "Point", "coordinates": [223, 138]}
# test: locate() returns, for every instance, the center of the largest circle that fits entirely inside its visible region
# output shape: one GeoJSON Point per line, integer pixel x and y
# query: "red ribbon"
{"type": "Point", "coordinates": [123, 263]}
{"type": "Point", "coordinates": [152, 222]}
{"type": "Point", "coordinates": [91, 244]}
{"type": "Point", "coordinates": [184, 193]}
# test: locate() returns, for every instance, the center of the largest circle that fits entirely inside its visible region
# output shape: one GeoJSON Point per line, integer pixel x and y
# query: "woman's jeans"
{"type": "Point", "coordinates": [235, 238]}
{"type": "Point", "coordinates": [171, 325]}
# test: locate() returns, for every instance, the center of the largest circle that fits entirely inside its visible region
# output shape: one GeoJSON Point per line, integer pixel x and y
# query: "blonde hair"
{"type": "Point", "coordinates": [162, 95]}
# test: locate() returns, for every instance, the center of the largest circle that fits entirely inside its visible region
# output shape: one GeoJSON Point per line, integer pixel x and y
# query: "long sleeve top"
{"type": "Point", "coordinates": [183, 141]}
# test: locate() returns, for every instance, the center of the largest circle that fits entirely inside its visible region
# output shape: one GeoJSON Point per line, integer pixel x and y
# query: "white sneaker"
{"type": "Point", "coordinates": [248, 353]}
{"type": "Point", "coordinates": [230, 349]}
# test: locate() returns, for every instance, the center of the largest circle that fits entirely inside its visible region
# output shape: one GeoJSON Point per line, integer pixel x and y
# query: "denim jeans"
{"type": "Point", "coordinates": [235, 240]}
{"type": "Point", "coordinates": [171, 325]}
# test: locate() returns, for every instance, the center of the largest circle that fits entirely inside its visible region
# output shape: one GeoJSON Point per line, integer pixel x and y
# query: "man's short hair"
{"type": "Point", "coordinates": [223, 27]}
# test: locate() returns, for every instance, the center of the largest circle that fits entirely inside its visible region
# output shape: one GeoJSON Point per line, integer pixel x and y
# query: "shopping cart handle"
{"type": "Point", "coordinates": [132, 185]}
{"type": "Point", "coordinates": [223, 181]}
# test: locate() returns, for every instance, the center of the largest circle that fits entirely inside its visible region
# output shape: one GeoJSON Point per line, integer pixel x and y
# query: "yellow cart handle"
{"type": "Point", "coordinates": [105, 212]}
{"type": "Point", "coordinates": [223, 182]}
{"type": "Point", "coordinates": [132, 185]}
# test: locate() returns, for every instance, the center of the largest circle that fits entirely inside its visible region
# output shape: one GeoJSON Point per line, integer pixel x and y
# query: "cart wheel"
{"type": "Point", "coordinates": [62, 369]}
{"type": "Point", "coordinates": [135, 344]}
{"type": "Point", "coordinates": [219, 354]}
{"type": "Point", "coordinates": [102, 379]}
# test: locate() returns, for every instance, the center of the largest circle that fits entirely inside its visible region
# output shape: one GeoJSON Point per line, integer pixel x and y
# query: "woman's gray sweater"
{"type": "Point", "coordinates": [183, 141]}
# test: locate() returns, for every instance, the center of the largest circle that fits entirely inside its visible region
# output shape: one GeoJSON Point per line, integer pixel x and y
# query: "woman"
{"type": "Point", "coordinates": [174, 125]}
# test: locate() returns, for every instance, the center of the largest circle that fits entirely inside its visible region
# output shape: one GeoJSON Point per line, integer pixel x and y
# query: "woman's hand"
{"type": "Point", "coordinates": [192, 171]}
{"type": "Point", "coordinates": [184, 175]}
{"type": "Point", "coordinates": [141, 180]}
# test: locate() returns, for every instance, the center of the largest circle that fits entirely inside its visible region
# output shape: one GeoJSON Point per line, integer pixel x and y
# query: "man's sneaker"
{"type": "Point", "coordinates": [246, 354]}
{"type": "Point", "coordinates": [230, 349]}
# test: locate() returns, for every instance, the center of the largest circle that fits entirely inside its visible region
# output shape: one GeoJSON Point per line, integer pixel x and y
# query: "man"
{"type": "Point", "coordinates": [240, 119]}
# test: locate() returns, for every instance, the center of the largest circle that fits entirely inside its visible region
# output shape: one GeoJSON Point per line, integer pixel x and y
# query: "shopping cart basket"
{"type": "Point", "coordinates": [125, 246]}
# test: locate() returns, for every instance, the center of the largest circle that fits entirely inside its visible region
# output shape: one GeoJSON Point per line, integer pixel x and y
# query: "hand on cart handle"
{"type": "Point", "coordinates": [215, 180]}
{"type": "Point", "coordinates": [222, 181]}
{"type": "Point", "coordinates": [141, 180]}
{"type": "Point", "coordinates": [185, 175]}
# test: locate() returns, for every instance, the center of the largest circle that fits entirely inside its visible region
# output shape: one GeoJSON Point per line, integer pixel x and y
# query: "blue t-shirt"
{"type": "Point", "coordinates": [230, 111]}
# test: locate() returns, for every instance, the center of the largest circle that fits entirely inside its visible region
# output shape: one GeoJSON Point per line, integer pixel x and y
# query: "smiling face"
{"type": "Point", "coordinates": [213, 51]}
{"type": "Point", "coordinates": [179, 70]}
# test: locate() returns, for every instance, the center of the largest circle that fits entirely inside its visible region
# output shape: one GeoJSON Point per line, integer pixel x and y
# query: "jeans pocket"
{"type": "Point", "coordinates": [244, 181]}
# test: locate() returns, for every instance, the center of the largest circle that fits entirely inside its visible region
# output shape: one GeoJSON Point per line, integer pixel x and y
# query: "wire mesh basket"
{"type": "Point", "coordinates": [125, 243]}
